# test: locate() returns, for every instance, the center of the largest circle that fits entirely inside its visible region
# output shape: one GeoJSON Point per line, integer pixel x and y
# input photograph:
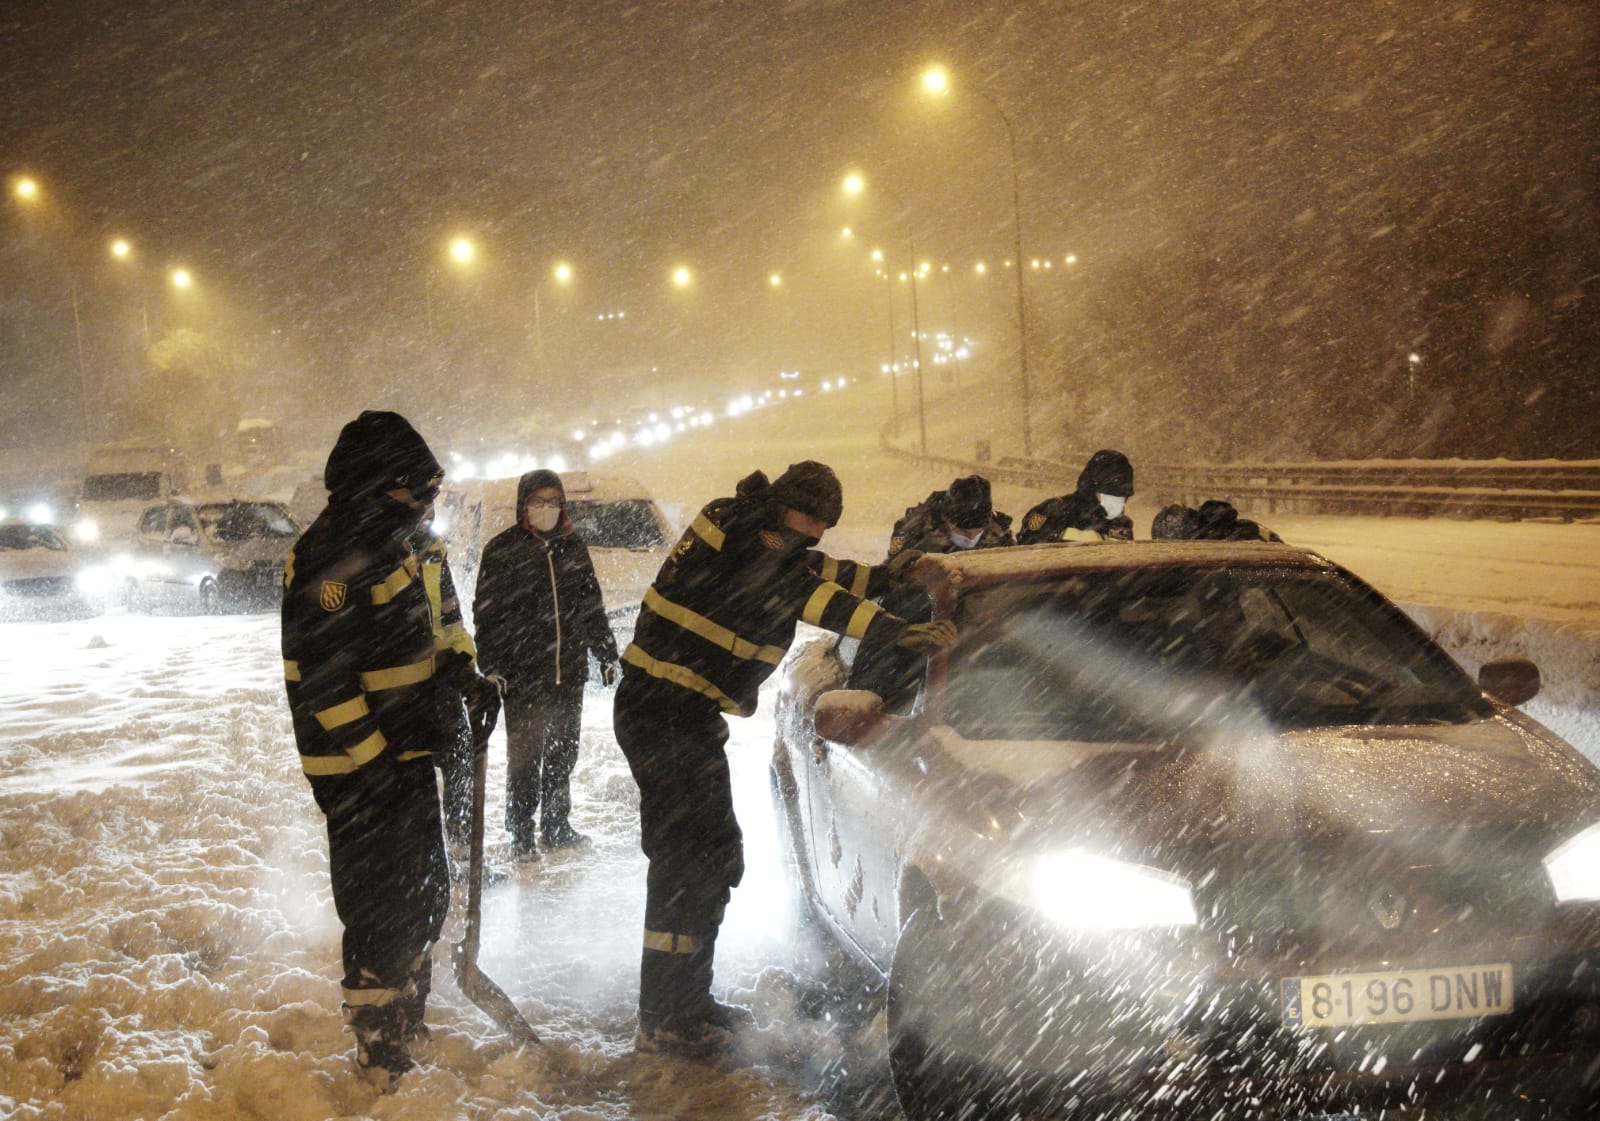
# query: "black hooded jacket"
{"type": "Point", "coordinates": [538, 610]}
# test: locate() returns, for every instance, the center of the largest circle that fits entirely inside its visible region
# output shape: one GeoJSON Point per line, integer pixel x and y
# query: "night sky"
{"type": "Point", "coordinates": [1265, 182]}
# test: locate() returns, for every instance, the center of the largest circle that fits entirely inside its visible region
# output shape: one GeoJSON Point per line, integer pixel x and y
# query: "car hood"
{"type": "Point", "coordinates": [1496, 772]}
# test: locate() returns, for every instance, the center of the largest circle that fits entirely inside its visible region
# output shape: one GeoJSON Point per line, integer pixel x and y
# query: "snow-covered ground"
{"type": "Point", "coordinates": [168, 947]}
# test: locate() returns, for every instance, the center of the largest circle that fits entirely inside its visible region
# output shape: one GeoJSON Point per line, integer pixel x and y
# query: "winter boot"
{"type": "Point", "coordinates": [563, 836]}
{"type": "Point", "coordinates": [381, 1053]}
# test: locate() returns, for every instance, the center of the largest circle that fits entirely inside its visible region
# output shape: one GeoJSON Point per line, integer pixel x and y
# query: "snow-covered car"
{"type": "Point", "coordinates": [210, 556]}
{"type": "Point", "coordinates": [627, 533]}
{"type": "Point", "coordinates": [39, 576]}
{"type": "Point", "coordinates": [1207, 828]}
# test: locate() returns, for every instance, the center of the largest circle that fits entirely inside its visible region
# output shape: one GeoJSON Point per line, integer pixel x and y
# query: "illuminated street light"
{"type": "Point", "coordinates": [121, 250]}
{"type": "Point", "coordinates": [936, 82]}
{"type": "Point", "coordinates": [775, 280]}
{"type": "Point", "coordinates": [462, 251]}
{"type": "Point", "coordinates": [682, 277]}
{"type": "Point", "coordinates": [26, 189]}
{"type": "Point", "coordinates": [562, 274]}
{"type": "Point", "coordinates": [182, 279]}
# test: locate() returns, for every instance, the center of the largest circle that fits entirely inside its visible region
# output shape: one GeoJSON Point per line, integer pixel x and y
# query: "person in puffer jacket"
{"type": "Point", "coordinates": [539, 618]}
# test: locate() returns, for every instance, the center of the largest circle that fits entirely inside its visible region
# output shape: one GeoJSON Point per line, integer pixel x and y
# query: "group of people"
{"type": "Point", "coordinates": [385, 687]}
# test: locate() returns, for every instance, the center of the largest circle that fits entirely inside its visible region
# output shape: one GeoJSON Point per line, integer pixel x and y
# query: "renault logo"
{"type": "Point", "coordinates": [1388, 906]}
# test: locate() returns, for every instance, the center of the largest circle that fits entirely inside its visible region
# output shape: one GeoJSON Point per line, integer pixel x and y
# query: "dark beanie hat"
{"type": "Point", "coordinates": [378, 451]}
{"type": "Point", "coordinates": [811, 488]}
{"type": "Point", "coordinates": [1107, 472]}
{"type": "Point", "coordinates": [1176, 522]}
{"type": "Point", "coordinates": [967, 503]}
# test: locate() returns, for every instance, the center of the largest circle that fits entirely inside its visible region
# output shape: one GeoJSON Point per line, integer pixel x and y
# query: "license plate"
{"type": "Point", "coordinates": [1403, 996]}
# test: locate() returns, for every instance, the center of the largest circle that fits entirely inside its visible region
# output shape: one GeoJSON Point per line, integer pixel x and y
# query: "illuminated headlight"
{"type": "Point", "coordinates": [86, 530]}
{"type": "Point", "coordinates": [94, 580]}
{"type": "Point", "coordinates": [1574, 868]}
{"type": "Point", "coordinates": [558, 463]}
{"type": "Point", "coordinates": [441, 521]}
{"type": "Point", "coordinates": [1081, 890]}
{"type": "Point", "coordinates": [40, 514]}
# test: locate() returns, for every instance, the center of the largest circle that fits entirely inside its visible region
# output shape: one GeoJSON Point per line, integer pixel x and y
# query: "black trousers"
{"type": "Point", "coordinates": [674, 742]}
{"type": "Point", "coordinates": [391, 884]}
{"type": "Point", "coordinates": [543, 723]}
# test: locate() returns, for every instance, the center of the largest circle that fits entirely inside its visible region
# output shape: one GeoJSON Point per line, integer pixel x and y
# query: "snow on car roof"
{"type": "Point", "coordinates": [1037, 562]}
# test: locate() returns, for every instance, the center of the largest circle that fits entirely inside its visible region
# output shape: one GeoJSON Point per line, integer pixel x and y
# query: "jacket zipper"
{"type": "Point", "coordinates": [555, 604]}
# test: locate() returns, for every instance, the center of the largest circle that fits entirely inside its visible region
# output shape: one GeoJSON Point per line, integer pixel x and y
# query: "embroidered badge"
{"type": "Point", "coordinates": [333, 593]}
{"type": "Point", "coordinates": [771, 540]}
{"type": "Point", "coordinates": [1036, 522]}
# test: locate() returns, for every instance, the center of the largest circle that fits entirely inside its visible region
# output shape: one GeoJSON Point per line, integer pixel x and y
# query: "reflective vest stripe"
{"type": "Point", "coordinates": [830, 569]}
{"type": "Point", "coordinates": [357, 998]}
{"type": "Point", "coordinates": [393, 584]}
{"type": "Point", "coordinates": [863, 577]}
{"type": "Point", "coordinates": [1081, 535]}
{"type": "Point", "coordinates": [678, 675]}
{"type": "Point", "coordinates": [291, 670]}
{"type": "Point", "coordinates": [818, 603]}
{"type": "Point", "coordinates": [712, 632]}
{"type": "Point", "coordinates": [397, 676]}
{"type": "Point", "coordinates": [668, 943]}
{"type": "Point", "coordinates": [364, 752]}
{"type": "Point", "coordinates": [861, 618]}
{"type": "Point", "coordinates": [707, 532]}
{"type": "Point", "coordinates": [407, 756]}
{"type": "Point", "coordinates": [336, 715]}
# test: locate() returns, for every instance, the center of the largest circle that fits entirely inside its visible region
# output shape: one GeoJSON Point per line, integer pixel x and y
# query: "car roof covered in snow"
{"type": "Point", "coordinates": [956, 572]}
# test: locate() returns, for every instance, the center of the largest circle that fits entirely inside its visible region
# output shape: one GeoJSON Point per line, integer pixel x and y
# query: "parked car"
{"type": "Point", "coordinates": [210, 556]}
{"type": "Point", "coordinates": [39, 575]}
{"type": "Point", "coordinates": [627, 533]}
{"type": "Point", "coordinates": [1209, 829]}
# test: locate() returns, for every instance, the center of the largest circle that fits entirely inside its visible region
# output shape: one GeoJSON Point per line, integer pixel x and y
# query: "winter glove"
{"type": "Point", "coordinates": [454, 669]}
{"type": "Point", "coordinates": [899, 566]}
{"type": "Point", "coordinates": [483, 710]}
{"type": "Point", "coordinates": [922, 638]}
{"type": "Point", "coordinates": [609, 672]}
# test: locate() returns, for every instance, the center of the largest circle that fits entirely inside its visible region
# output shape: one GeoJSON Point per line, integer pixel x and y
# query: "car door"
{"type": "Point", "coordinates": [149, 551]}
{"type": "Point", "coordinates": [186, 561]}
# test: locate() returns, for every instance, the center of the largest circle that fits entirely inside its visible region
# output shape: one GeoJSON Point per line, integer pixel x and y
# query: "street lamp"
{"type": "Point", "coordinates": [682, 277]}
{"type": "Point", "coordinates": [562, 274]}
{"type": "Point", "coordinates": [936, 83]}
{"type": "Point", "coordinates": [855, 184]}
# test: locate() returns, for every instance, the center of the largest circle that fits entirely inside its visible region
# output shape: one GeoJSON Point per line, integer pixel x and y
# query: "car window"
{"type": "Point", "coordinates": [119, 486]}
{"type": "Point", "coordinates": [630, 523]}
{"type": "Point", "coordinates": [1150, 655]}
{"type": "Point", "coordinates": [183, 518]}
{"type": "Point", "coordinates": [241, 521]}
{"type": "Point", "coordinates": [30, 537]}
{"type": "Point", "coordinates": [153, 523]}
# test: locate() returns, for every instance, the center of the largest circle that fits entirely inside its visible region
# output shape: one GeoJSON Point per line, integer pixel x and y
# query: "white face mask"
{"type": "Point", "coordinates": [1112, 504]}
{"type": "Point", "coordinates": [544, 518]}
{"type": "Point", "coordinates": [963, 542]}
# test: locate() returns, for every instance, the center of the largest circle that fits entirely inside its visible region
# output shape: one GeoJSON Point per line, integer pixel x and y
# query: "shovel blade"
{"type": "Point", "coordinates": [482, 991]}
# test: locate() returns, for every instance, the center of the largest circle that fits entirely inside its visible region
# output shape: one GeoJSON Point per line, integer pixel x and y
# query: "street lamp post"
{"type": "Point", "coordinates": [561, 274]}
{"type": "Point", "coordinates": [936, 80]}
{"type": "Point", "coordinates": [855, 184]}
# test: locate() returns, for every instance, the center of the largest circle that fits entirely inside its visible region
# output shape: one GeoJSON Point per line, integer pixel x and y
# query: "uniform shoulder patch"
{"type": "Point", "coordinates": [771, 540]}
{"type": "Point", "coordinates": [333, 595]}
{"type": "Point", "coordinates": [1035, 521]}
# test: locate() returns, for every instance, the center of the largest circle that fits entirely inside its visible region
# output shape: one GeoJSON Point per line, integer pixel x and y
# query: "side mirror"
{"type": "Point", "coordinates": [850, 716]}
{"type": "Point", "coordinates": [1511, 681]}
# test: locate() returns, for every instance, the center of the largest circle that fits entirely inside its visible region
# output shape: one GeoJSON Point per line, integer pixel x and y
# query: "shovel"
{"type": "Point", "coordinates": [464, 954]}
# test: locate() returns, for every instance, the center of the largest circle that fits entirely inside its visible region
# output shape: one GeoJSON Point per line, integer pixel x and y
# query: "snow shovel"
{"type": "Point", "coordinates": [464, 954]}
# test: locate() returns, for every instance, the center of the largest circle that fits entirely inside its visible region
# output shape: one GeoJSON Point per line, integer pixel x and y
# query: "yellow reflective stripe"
{"type": "Point", "coordinates": [860, 619]}
{"type": "Point", "coordinates": [830, 569]}
{"type": "Point", "coordinates": [396, 676]}
{"type": "Point", "coordinates": [368, 749]}
{"type": "Point", "coordinates": [819, 602]}
{"type": "Point", "coordinates": [1081, 535]}
{"type": "Point", "coordinates": [432, 574]}
{"type": "Point", "coordinates": [327, 764]}
{"type": "Point", "coordinates": [858, 586]}
{"type": "Point", "coordinates": [678, 675]}
{"type": "Point", "coordinates": [288, 570]}
{"type": "Point", "coordinates": [335, 715]}
{"type": "Point", "coordinates": [407, 756]}
{"type": "Point", "coordinates": [291, 670]}
{"type": "Point", "coordinates": [357, 998]}
{"type": "Point", "coordinates": [707, 532]}
{"type": "Point", "coordinates": [393, 584]}
{"type": "Point", "coordinates": [711, 631]}
{"type": "Point", "coordinates": [455, 637]}
{"type": "Point", "coordinates": [671, 943]}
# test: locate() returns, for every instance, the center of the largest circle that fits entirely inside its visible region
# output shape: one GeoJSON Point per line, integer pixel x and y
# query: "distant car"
{"type": "Point", "coordinates": [210, 556]}
{"type": "Point", "coordinates": [39, 575]}
{"type": "Point", "coordinates": [627, 533]}
{"type": "Point", "coordinates": [1201, 829]}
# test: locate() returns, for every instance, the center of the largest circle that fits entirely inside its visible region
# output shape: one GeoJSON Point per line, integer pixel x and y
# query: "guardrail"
{"type": "Point", "coordinates": [1505, 490]}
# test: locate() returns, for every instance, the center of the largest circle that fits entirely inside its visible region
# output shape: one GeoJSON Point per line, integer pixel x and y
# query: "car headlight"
{"type": "Point", "coordinates": [1574, 867]}
{"type": "Point", "coordinates": [86, 530]}
{"type": "Point", "coordinates": [93, 579]}
{"type": "Point", "coordinates": [1081, 890]}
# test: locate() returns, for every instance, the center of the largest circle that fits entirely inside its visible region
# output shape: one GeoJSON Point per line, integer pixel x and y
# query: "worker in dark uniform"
{"type": "Point", "coordinates": [1215, 520]}
{"type": "Point", "coordinates": [960, 517]}
{"type": "Point", "coordinates": [1094, 509]}
{"type": "Point", "coordinates": [540, 617]}
{"type": "Point", "coordinates": [359, 661]}
{"type": "Point", "coordinates": [713, 626]}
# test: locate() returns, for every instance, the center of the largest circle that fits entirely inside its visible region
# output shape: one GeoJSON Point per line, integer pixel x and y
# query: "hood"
{"type": "Point", "coordinates": [538, 480]}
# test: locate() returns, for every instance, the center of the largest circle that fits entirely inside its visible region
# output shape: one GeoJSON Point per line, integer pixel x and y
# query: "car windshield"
{"type": "Point", "coordinates": [30, 537]}
{"type": "Point", "coordinates": [1143, 655]}
{"type": "Point", "coordinates": [630, 523]}
{"type": "Point", "coordinates": [122, 485]}
{"type": "Point", "coordinates": [240, 521]}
